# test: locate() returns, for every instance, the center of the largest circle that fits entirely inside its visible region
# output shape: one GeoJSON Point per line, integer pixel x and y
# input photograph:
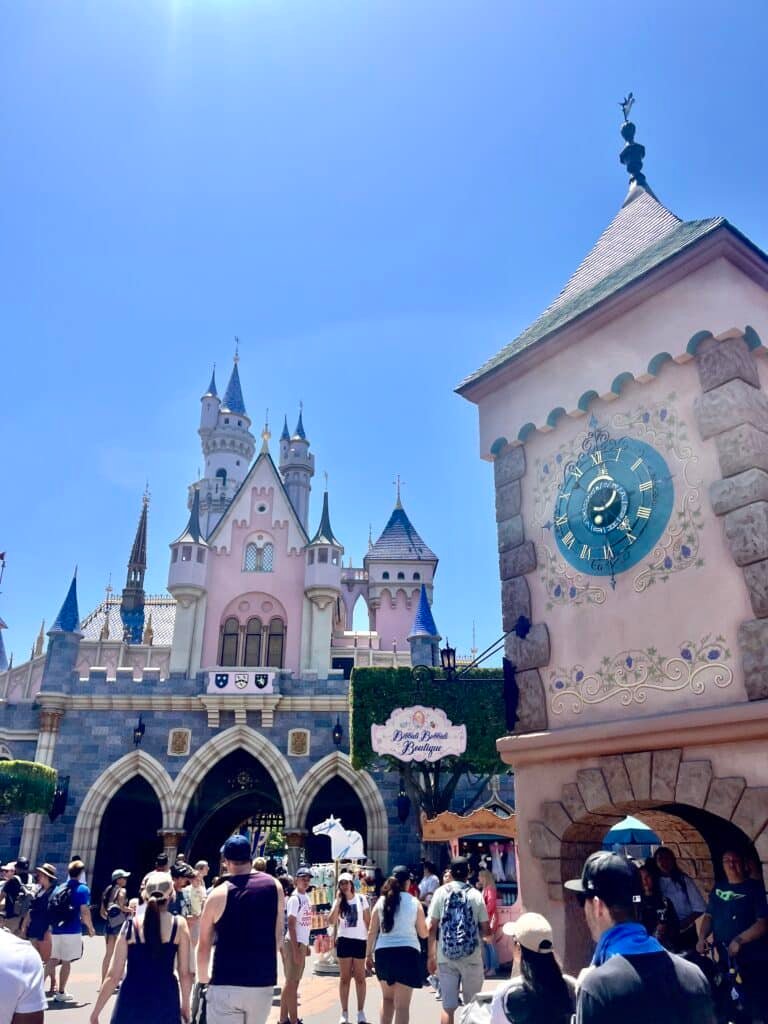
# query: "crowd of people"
{"type": "Point", "coordinates": [186, 950]}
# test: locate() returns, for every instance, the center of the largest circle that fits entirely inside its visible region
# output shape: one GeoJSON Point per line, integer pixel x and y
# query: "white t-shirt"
{"type": "Point", "coordinates": [298, 906]}
{"type": "Point", "coordinates": [359, 931]}
{"type": "Point", "coordinates": [22, 989]}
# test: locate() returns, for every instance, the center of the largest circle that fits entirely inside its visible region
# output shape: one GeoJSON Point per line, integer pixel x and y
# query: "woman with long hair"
{"type": "Point", "coordinates": [540, 991]}
{"type": "Point", "coordinates": [397, 924]}
{"type": "Point", "coordinates": [151, 944]}
{"type": "Point", "coordinates": [486, 883]}
{"type": "Point", "coordinates": [683, 893]}
{"type": "Point", "coordinates": [656, 911]}
{"type": "Point", "coordinates": [351, 916]}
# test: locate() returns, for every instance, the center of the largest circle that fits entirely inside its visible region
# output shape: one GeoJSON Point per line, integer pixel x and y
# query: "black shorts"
{"type": "Point", "coordinates": [400, 965]}
{"type": "Point", "coordinates": [354, 949]}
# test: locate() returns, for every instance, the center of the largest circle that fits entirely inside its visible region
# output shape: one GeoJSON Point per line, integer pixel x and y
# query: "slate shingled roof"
{"type": "Point", "coordinates": [642, 235]}
{"type": "Point", "coordinates": [67, 619]}
{"type": "Point", "coordinates": [162, 609]}
{"type": "Point", "coordinates": [325, 533]}
{"type": "Point", "coordinates": [400, 542]}
{"type": "Point", "coordinates": [233, 396]}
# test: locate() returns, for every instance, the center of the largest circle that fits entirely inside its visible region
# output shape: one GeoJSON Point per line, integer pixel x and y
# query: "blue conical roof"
{"type": "Point", "coordinates": [233, 396]}
{"type": "Point", "coordinates": [424, 623]}
{"type": "Point", "coordinates": [212, 386]}
{"type": "Point", "coordinates": [285, 436]}
{"type": "Point", "coordinates": [324, 533]}
{"type": "Point", "coordinates": [68, 619]}
{"type": "Point", "coordinates": [299, 431]}
{"type": "Point", "coordinates": [192, 531]}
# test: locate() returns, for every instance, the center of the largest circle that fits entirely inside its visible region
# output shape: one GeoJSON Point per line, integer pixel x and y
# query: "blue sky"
{"type": "Point", "coordinates": [374, 196]}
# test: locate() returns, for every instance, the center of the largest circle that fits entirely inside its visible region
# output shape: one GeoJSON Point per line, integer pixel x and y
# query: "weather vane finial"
{"type": "Point", "coordinates": [398, 482]}
{"type": "Point", "coordinates": [633, 153]}
{"type": "Point", "coordinates": [237, 349]}
{"type": "Point", "coordinates": [626, 105]}
{"type": "Point", "coordinates": [325, 474]}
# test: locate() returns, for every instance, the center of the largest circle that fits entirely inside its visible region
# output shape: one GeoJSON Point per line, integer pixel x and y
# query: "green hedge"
{"type": "Point", "coordinates": [474, 700]}
{"type": "Point", "coordinates": [26, 787]}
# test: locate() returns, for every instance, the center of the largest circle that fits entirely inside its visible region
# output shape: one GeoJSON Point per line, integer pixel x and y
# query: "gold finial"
{"type": "Point", "coordinates": [149, 633]}
{"type": "Point", "coordinates": [398, 482]}
{"type": "Point", "coordinates": [237, 350]}
{"type": "Point", "coordinates": [38, 648]}
{"type": "Point", "coordinates": [265, 435]}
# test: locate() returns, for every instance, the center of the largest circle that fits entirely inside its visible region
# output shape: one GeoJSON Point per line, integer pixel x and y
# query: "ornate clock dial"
{"type": "Point", "coordinates": [613, 506]}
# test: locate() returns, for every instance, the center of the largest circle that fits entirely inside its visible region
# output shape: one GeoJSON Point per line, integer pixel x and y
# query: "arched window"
{"type": "Point", "coordinates": [222, 475]}
{"type": "Point", "coordinates": [259, 559]}
{"type": "Point", "coordinates": [401, 575]}
{"type": "Point", "coordinates": [276, 643]}
{"type": "Point", "coordinates": [385, 575]}
{"type": "Point", "coordinates": [252, 654]}
{"type": "Point", "coordinates": [417, 575]}
{"type": "Point", "coordinates": [229, 637]}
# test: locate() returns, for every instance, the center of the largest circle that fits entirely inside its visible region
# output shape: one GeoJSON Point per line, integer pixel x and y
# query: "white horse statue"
{"type": "Point", "coordinates": [344, 845]}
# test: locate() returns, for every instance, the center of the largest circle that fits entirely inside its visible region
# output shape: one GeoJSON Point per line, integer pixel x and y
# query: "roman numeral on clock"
{"type": "Point", "coordinates": [586, 552]}
{"type": "Point", "coordinates": [647, 485]}
{"type": "Point", "coordinates": [643, 512]}
{"type": "Point", "coordinates": [561, 520]}
{"type": "Point", "coordinates": [597, 457]}
{"type": "Point", "coordinates": [569, 539]}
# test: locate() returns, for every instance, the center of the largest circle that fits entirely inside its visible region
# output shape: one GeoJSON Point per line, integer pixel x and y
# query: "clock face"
{"type": "Point", "coordinates": [613, 506]}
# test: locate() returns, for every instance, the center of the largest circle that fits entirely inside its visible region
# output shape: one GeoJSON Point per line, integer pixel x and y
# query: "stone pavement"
{"type": "Point", "coordinates": [319, 996]}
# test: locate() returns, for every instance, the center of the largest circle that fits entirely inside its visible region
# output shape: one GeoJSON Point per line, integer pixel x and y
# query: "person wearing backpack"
{"type": "Point", "coordinates": [69, 909]}
{"type": "Point", "coordinates": [459, 911]}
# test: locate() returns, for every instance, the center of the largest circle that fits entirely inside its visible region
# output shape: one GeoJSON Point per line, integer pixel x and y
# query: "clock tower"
{"type": "Point", "coordinates": [628, 429]}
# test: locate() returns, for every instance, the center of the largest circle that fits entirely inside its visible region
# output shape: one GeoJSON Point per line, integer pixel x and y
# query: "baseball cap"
{"type": "Point", "coordinates": [303, 872]}
{"type": "Point", "coordinates": [346, 877]}
{"type": "Point", "coordinates": [401, 873]}
{"type": "Point", "coordinates": [612, 878]}
{"type": "Point", "coordinates": [158, 883]}
{"type": "Point", "coordinates": [10, 866]}
{"type": "Point", "coordinates": [182, 871]}
{"type": "Point", "coordinates": [532, 931]}
{"type": "Point", "coordinates": [119, 873]}
{"type": "Point", "coordinates": [161, 859]}
{"type": "Point", "coordinates": [22, 864]}
{"type": "Point", "coordinates": [237, 848]}
{"type": "Point", "coordinates": [459, 862]}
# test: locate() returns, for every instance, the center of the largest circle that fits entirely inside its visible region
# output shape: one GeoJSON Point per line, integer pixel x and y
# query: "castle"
{"type": "Point", "coordinates": [183, 716]}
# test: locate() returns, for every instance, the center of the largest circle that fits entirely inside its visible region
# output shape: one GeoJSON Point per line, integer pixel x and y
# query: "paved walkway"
{"type": "Point", "coordinates": [319, 996]}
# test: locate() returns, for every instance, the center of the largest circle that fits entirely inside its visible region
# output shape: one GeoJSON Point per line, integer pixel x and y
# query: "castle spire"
{"type": "Point", "coordinates": [68, 619]}
{"type": "Point", "coordinates": [37, 650]}
{"type": "Point", "coordinates": [324, 533]}
{"type": "Point", "coordinates": [286, 435]}
{"type": "Point", "coordinates": [299, 431]}
{"type": "Point", "coordinates": [132, 603]}
{"type": "Point", "coordinates": [212, 392]}
{"type": "Point", "coordinates": [233, 396]}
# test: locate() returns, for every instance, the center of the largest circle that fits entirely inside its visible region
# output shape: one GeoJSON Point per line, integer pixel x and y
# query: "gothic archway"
{"type": "Point", "coordinates": [128, 837]}
{"type": "Point", "coordinates": [88, 825]}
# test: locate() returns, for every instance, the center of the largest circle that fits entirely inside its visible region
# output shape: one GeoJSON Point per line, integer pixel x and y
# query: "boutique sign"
{"type": "Point", "coordinates": [419, 734]}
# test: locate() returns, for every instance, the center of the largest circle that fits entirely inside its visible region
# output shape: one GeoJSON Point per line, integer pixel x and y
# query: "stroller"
{"type": "Point", "coordinates": [722, 973]}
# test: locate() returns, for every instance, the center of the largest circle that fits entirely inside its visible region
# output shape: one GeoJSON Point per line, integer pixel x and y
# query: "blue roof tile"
{"type": "Point", "coordinates": [233, 396]}
{"type": "Point", "coordinates": [324, 533]}
{"type": "Point", "coordinates": [424, 623]}
{"type": "Point", "coordinates": [68, 619]}
{"type": "Point", "coordinates": [212, 386]}
{"type": "Point", "coordinates": [162, 609]}
{"type": "Point", "coordinates": [299, 431]}
{"type": "Point", "coordinates": [285, 436]}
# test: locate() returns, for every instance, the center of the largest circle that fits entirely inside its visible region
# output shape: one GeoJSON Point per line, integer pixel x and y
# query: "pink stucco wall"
{"type": "Point", "coordinates": [394, 623]}
{"type": "Point", "coordinates": [231, 590]}
{"type": "Point", "coordinates": [651, 609]}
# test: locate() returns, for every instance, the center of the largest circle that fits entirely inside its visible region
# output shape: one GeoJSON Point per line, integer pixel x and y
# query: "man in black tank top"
{"type": "Point", "coordinates": [246, 914]}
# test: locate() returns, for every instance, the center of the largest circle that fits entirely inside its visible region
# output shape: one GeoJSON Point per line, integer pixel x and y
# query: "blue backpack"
{"type": "Point", "coordinates": [458, 928]}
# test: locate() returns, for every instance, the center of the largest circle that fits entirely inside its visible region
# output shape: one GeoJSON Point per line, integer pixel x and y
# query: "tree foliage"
{"type": "Point", "coordinates": [26, 787]}
{"type": "Point", "coordinates": [475, 699]}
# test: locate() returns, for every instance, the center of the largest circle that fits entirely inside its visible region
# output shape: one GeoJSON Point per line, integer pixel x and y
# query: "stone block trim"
{"type": "Point", "coordinates": [517, 558]}
{"type": "Point", "coordinates": [571, 828]}
{"type": "Point", "coordinates": [746, 531]}
{"type": "Point", "coordinates": [743, 447]}
{"type": "Point", "coordinates": [734, 411]}
{"type": "Point", "coordinates": [753, 641]}
{"type": "Point", "coordinates": [756, 578]}
{"type": "Point", "coordinates": [739, 490]}
{"type": "Point", "coordinates": [729, 406]}
{"type": "Point", "coordinates": [719, 362]}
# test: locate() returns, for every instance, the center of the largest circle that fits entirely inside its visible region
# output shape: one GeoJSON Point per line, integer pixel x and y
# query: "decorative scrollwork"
{"type": "Point", "coordinates": [629, 676]}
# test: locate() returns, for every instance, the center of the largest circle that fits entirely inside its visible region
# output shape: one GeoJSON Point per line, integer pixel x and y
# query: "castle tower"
{"type": "Point", "coordinates": [322, 591]}
{"type": "Point", "coordinates": [63, 644]}
{"type": "Point", "coordinates": [399, 564]}
{"type": "Point", "coordinates": [297, 467]}
{"type": "Point", "coordinates": [424, 638]}
{"type": "Point", "coordinates": [186, 581]}
{"type": "Point", "coordinates": [132, 603]}
{"type": "Point", "coordinates": [228, 448]}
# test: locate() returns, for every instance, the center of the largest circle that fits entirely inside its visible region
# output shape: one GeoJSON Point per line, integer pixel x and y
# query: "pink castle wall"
{"type": "Point", "coordinates": [394, 623]}
{"type": "Point", "coordinates": [231, 590]}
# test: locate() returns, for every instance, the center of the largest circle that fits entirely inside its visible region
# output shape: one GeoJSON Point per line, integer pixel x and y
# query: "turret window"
{"type": "Point", "coordinates": [175, 555]}
{"type": "Point", "coordinates": [259, 559]}
{"type": "Point", "coordinates": [401, 575]}
{"type": "Point", "coordinates": [417, 575]}
{"type": "Point", "coordinates": [322, 555]}
{"type": "Point", "coordinates": [186, 552]}
{"type": "Point", "coordinates": [253, 643]}
{"type": "Point", "coordinates": [229, 636]}
{"type": "Point", "coordinates": [201, 555]}
{"type": "Point", "coordinates": [385, 575]}
{"type": "Point", "coordinates": [276, 643]}
{"type": "Point", "coordinates": [222, 475]}
{"type": "Point", "coordinates": [310, 558]}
